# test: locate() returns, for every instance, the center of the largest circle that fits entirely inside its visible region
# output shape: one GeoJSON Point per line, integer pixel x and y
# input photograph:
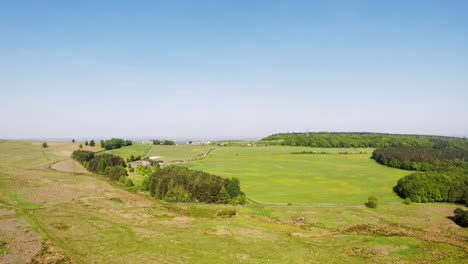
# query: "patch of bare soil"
{"type": "Point", "coordinates": [7, 212]}
{"type": "Point", "coordinates": [248, 232]}
{"type": "Point", "coordinates": [51, 254]}
{"type": "Point", "coordinates": [387, 230]}
{"type": "Point", "coordinates": [69, 166]}
{"type": "Point", "coordinates": [385, 249]}
{"type": "Point", "coordinates": [21, 244]}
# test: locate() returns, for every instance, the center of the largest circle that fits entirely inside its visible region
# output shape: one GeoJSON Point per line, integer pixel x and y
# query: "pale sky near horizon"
{"type": "Point", "coordinates": [232, 68]}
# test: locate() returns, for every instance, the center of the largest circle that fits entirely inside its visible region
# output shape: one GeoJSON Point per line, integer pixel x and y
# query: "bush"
{"type": "Point", "coordinates": [372, 202]}
{"type": "Point", "coordinates": [128, 182]}
{"type": "Point", "coordinates": [461, 217]}
{"type": "Point", "coordinates": [407, 201]}
{"type": "Point", "coordinates": [44, 145]}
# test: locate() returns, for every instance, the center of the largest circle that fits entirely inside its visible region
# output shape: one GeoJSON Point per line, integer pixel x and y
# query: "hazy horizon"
{"type": "Point", "coordinates": [185, 69]}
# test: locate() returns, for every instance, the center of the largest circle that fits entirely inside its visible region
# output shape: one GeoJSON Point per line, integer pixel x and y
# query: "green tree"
{"type": "Point", "coordinates": [44, 145]}
{"type": "Point", "coordinates": [73, 140]}
{"type": "Point", "coordinates": [372, 201]}
{"type": "Point", "coordinates": [92, 143]}
{"type": "Point", "coordinates": [223, 196]}
{"type": "Point", "coordinates": [86, 143]}
{"type": "Point", "coordinates": [81, 146]}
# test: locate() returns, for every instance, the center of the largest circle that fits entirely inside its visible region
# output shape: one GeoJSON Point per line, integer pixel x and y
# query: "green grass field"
{"type": "Point", "coordinates": [95, 221]}
{"type": "Point", "coordinates": [166, 153]}
{"type": "Point", "coordinates": [273, 175]}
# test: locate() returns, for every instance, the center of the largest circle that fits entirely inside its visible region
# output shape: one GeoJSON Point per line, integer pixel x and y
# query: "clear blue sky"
{"type": "Point", "coordinates": [232, 68]}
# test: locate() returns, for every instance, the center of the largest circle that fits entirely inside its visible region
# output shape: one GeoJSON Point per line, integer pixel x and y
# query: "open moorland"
{"type": "Point", "coordinates": [52, 211]}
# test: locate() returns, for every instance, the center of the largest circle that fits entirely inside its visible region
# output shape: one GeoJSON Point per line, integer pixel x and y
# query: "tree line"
{"type": "Point", "coordinates": [108, 165]}
{"type": "Point", "coordinates": [421, 159]}
{"type": "Point", "coordinates": [163, 142]}
{"type": "Point", "coordinates": [115, 143]}
{"type": "Point", "coordinates": [180, 184]}
{"type": "Point", "coordinates": [363, 140]}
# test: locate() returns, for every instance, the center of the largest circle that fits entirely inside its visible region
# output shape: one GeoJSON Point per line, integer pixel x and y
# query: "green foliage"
{"type": "Point", "coordinates": [180, 184]}
{"type": "Point", "coordinates": [421, 159]}
{"type": "Point", "coordinates": [449, 186]}
{"type": "Point", "coordinates": [80, 146]}
{"type": "Point", "coordinates": [73, 140]}
{"type": "Point", "coordinates": [372, 201]}
{"type": "Point", "coordinates": [44, 145]}
{"type": "Point", "coordinates": [107, 165]}
{"type": "Point", "coordinates": [407, 201]}
{"type": "Point", "coordinates": [115, 143]}
{"type": "Point", "coordinates": [363, 140]}
{"type": "Point", "coordinates": [461, 217]}
{"type": "Point", "coordinates": [92, 143]}
{"type": "Point", "coordinates": [86, 143]}
{"type": "Point", "coordinates": [127, 182]}
{"type": "Point", "coordinates": [82, 155]}
{"type": "Point", "coordinates": [163, 142]}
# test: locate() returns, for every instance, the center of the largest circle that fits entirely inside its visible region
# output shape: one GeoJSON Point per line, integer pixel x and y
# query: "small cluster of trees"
{"type": "Point", "coordinates": [363, 140]}
{"type": "Point", "coordinates": [108, 165]}
{"type": "Point", "coordinates": [115, 143]}
{"type": "Point", "coordinates": [421, 159]}
{"type": "Point", "coordinates": [163, 142]}
{"type": "Point", "coordinates": [90, 143]}
{"type": "Point", "coordinates": [180, 184]}
{"type": "Point", "coordinates": [435, 186]}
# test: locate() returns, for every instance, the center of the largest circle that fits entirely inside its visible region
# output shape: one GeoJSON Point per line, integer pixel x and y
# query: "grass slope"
{"type": "Point", "coordinates": [273, 175]}
{"type": "Point", "coordinates": [93, 221]}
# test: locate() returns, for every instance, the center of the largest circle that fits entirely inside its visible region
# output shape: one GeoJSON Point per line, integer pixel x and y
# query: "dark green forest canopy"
{"type": "Point", "coordinates": [180, 184]}
{"type": "Point", "coordinates": [107, 165]}
{"type": "Point", "coordinates": [364, 140]}
{"type": "Point", "coordinates": [421, 159]}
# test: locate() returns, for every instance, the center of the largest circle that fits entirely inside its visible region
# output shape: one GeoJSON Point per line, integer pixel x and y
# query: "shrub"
{"type": "Point", "coordinates": [461, 217]}
{"type": "Point", "coordinates": [372, 202]}
{"type": "Point", "coordinates": [44, 145]}
{"type": "Point", "coordinates": [407, 201]}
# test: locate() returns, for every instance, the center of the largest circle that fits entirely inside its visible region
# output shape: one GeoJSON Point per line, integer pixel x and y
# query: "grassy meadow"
{"type": "Point", "coordinates": [166, 153]}
{"type": "Point", "coordinates": [273, 175]}
{"type": "Point", "coordinates": [88, 219]}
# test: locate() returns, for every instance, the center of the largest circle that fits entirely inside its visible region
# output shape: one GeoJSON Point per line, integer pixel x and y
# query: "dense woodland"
{"type": "Point", "coordinates": [363, 140]}
{"type": "Point", "coordinates": [421, 159]}
{"type": "Point", "coordinates": [108, 165]}
{"type": "Point", "coordinates": [180, 184]}
{"type": "Point", "coordinates": [115, 143]}
{"type": "Point", "coordinates": [445, 186]}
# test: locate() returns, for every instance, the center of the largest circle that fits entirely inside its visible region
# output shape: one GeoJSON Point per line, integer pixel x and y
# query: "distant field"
{"type": "Point", "coordinates": [273, 175]}
{"type": "Point", "coordinates": [135, 150]}
{"type": "Point", "coordinates": [167, 153]}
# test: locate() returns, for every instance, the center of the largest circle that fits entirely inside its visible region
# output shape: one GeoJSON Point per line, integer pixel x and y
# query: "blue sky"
{"type": "Point", "coordinates": [232, 68]}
